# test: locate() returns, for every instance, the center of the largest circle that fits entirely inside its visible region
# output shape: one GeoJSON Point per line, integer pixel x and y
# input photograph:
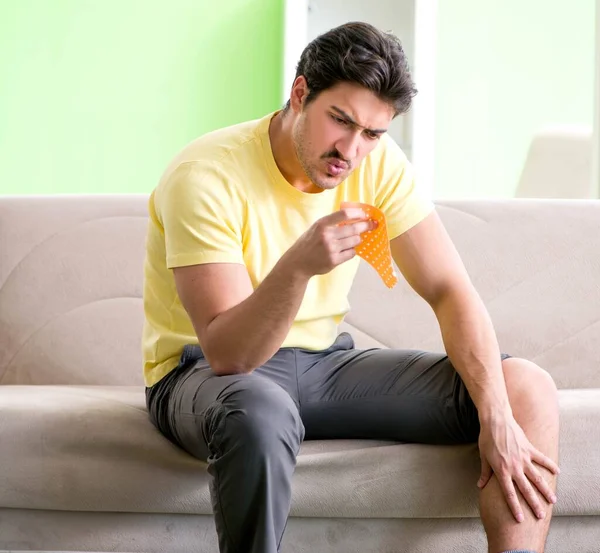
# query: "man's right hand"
{"type": "Point", "coordinates": [329, 242]}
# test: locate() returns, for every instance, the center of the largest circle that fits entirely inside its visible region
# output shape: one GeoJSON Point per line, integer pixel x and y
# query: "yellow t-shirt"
{"type": "Point", "coordinates": [223, 199]}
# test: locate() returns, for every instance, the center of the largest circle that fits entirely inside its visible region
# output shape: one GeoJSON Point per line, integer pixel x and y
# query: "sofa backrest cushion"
{"type": "Point", "coordinates": [71, 285]}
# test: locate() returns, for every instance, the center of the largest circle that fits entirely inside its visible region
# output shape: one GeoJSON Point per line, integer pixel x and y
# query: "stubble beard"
{"type": "Point", "coordinates": [311, 171]}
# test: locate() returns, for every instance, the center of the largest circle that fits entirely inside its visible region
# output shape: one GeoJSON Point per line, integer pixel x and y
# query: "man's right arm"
{"type": "Point", "coordinates": [240, 328]}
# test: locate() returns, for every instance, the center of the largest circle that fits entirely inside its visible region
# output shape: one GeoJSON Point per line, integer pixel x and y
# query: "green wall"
{"type": "Point", "coordinates": [97, 95]}
{"type": "Point", "coordinates": [505, 68]}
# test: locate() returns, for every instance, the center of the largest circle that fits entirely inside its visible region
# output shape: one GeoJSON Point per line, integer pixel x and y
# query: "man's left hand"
{"type": "Point", "coordinates": [507, 453]}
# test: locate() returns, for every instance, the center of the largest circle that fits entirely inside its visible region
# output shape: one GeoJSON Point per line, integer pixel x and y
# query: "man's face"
{"type": "Point", "coordinates": [337, 129]}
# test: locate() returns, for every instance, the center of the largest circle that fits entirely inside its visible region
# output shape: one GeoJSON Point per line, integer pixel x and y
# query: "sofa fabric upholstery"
{"type": "Point", "coordinates": [83, 453]}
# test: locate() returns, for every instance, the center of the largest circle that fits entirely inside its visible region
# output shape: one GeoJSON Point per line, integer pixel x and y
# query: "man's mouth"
{"type": "Point", "coordinates": [336, 167]}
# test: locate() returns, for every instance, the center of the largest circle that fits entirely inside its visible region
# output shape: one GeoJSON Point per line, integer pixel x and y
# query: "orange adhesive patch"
{"type": "Point", "coordinates": [375, 245]}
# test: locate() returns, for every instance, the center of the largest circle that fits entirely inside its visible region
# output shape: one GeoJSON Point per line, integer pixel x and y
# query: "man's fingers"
{"type": "Point", "coordinates": [344, 215]}
{"type": "Point", "coordinates": [540, 483]}
{"type": "Point", "coordinates": [348, 243]}
{"type": "Point", "coordinates": [530, 496]}
{"type": "Point", "coordinates": [486, 473]}
{"type": "Point", "coordinates": [353, 229]}
{"type": "Point", "coordinates": [511, 497]}
{"type": "Point", "coordinates": [349, 216]}
{"type": "Point", "coordinates": [545, 461]}
{"type": "Point", "coordinates": [345, 255]}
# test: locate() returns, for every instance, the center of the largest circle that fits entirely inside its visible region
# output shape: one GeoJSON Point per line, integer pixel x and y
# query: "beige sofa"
{"type": "Point", "coordinates": [82, 468]}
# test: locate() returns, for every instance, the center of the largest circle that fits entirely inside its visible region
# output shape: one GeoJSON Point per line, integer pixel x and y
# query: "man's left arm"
{"type": "Point", "coordinates": [432, 266]}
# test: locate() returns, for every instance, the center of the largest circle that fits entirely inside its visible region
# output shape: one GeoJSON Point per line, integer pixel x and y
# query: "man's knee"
{"type": "Point", "coordinates": [255, 414]}
{"type": "Point", "coordinates": [529, 383]}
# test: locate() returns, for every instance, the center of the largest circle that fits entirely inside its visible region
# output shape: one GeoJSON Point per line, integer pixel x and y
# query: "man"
{"type": "Point", "coordinates": [247, 274]}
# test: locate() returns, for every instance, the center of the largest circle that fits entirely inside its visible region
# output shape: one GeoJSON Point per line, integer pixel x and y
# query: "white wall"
{"type": "Point", "coordinates": [294, 40]}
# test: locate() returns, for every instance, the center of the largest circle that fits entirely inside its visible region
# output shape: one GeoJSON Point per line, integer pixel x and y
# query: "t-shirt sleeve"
{"type": "Point", "coordinates": [396, 191]}
{"type": "Point", "coordinates": [201, 213]}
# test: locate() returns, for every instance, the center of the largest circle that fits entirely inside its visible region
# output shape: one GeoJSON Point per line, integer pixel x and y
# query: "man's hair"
{"type": "Point", "coordinates": [361, 54]}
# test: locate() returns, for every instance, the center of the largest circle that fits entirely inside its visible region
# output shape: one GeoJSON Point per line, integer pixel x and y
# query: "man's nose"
{"type": "Point", "coordinates": [348, 146]}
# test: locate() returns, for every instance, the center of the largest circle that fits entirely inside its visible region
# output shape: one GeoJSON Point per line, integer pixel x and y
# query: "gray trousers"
{"type": "Point", "coordinates": [249, 427]}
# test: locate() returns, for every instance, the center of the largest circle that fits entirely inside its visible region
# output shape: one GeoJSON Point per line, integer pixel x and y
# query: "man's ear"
{"type": "Point", "coordinates": [299, 94]}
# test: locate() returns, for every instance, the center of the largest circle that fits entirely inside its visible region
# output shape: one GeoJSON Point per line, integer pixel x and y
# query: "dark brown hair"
{"type": "Point", "coordinates": [358, 53]}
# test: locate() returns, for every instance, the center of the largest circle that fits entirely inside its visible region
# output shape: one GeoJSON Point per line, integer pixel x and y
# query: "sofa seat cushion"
{"type": "Point", "coordinates": [93, 448]}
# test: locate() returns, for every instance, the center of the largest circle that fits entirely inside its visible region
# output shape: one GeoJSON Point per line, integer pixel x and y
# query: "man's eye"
{"type": "Point", "coordinates": [339, 120]}
{"type": "Point", "coordinates": [372, 136]}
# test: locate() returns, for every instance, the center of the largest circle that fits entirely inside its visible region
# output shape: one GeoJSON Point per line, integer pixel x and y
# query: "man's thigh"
{"type": "Point", "coordinates": [186, 404]}
{"type": "Point", "coordinates": [405, 395]}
